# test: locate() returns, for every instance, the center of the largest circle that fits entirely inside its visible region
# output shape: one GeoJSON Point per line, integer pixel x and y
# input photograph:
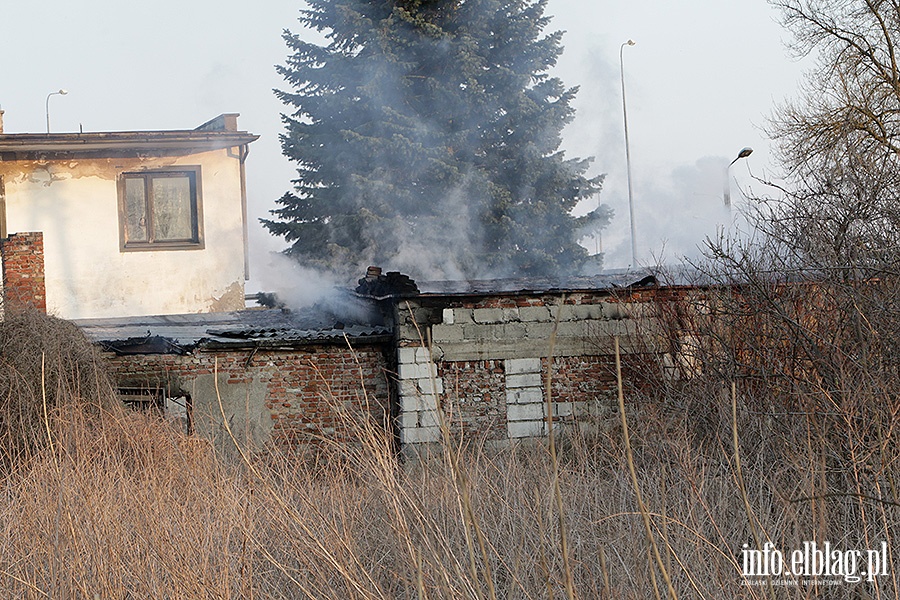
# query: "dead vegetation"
{"type": "Point", "coordinates": [109, 504]}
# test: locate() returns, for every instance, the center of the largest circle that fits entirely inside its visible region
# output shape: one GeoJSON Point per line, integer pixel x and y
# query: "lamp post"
{"type": "Point", "coordinates": [744, 153]}
{"type": "Point", "coordinates": [47, 105]}
{"type": "Point", "coordinates": [628, 154]}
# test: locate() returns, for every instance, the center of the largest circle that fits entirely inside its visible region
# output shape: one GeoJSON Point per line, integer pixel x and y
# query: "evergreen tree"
{"type": "Point", "coordinates": [427, 134]}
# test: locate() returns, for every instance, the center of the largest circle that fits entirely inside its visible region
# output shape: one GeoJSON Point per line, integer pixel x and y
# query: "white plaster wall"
{"type": "Point", "coordinates": [75, 204]}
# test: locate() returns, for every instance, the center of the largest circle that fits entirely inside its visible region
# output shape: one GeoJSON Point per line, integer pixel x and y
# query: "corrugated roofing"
{"type": "Point", "coordinates": [244, 328]}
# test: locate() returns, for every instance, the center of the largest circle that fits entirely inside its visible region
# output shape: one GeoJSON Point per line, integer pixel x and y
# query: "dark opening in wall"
{"type": "Point", "coordinates": [176, 408]}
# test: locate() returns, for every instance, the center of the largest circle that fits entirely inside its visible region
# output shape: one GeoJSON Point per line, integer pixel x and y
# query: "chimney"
{"type": "Point", "coordinates": [1, 120]}
{"type": "Point", "coordinates": [22, 257]}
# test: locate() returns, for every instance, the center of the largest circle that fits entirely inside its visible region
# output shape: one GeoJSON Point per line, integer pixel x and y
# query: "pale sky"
{"type": "Point", "coordinates": [700, 81]}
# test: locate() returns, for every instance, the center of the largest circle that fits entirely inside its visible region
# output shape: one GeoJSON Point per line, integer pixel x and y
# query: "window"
{"type": "Point", "coordinates": [160, 210]}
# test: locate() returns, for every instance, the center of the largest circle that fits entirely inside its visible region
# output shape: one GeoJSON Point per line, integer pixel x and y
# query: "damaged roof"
{"type": "Point", "coordinates": [251, 328]}
{"type": "Point", "coordinates": [609, 280]}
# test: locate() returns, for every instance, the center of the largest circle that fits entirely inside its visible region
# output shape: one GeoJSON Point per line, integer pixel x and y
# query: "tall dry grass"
{"type": "Point", "coordinates": [121, 505]}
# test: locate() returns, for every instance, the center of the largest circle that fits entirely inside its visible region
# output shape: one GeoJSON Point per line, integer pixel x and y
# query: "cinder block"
{"type": "Point", "coordinates": [487, 315]}
{"type": "Point", "coordinates": [406, 355]}
{"type": "Point", "coordinates": [423, 355]}
{"type": "Point", "coordinates": [515, 366]}
{"type": "Point", "coordinates": [420, 435]}
{"type": "Point", "coordinates": [524, 412]}
{"type": "Point", "coordinates": [509, 331]}
{"type": "Point", "coordinates": [534, 313]}
{"type": "Point", "coordinates": [562, 409]}
{"type": "Point", "coordinates": [429, 418]}
{"type": "Point", "coordinates": [417, 371]}
{"type": "Point", "coordinates": [530, 395]}
{"type": "Point", "coordinates": [572, 329]}
{"type": "Point", "coordinates": [613, 310]}
{"type": "Point", "coordinates": [418, 403]}
{"type": "Point", "coordinates": [409, 387]}
{"type": "Point", "coordinates": [408, 420]}
{"type": "Point", "coordinates": [510, 315]}
{"type": "Point", "coordinates": [447, 316]}
{"type": "Point", "coordinates": [521, 429]}
{"type": "Point", "coordinates": [462, 315]}
{"type": "Point", "coordinates": [524, 380]}
{"type": "Point", "coordinates": [447, 333]}
{"type": "Point", "coordinates": [538, 331]}
{"type": "Point", "coordinates": [431, 385]}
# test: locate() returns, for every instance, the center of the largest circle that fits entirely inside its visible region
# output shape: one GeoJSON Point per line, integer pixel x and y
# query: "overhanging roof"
{"type": "Point", "coordinates": [24, 146]}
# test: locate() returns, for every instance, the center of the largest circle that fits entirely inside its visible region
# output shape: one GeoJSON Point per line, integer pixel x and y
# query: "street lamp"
{"type": "Point", "coordinates": [47, 105]}
{"type": "Point", "coordinates": [744, 153]}
{"type": "Point", "coordinates": [628, 154]}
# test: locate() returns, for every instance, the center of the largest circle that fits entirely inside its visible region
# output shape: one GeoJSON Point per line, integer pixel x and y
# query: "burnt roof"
{"type": "Point", "coordinates": [609, 280]}
{"type": "Point", "coordinates": [251, 328]}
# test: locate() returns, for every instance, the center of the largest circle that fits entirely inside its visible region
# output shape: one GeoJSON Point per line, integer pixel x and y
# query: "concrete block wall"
{"type": "Point", "coordinates": [490, 357]}
{"type": "Point", "coordinates": [420, 390]}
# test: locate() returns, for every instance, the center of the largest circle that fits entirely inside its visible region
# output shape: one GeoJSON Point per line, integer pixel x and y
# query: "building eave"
{"type": "Point", "coordinates": [30, 146]}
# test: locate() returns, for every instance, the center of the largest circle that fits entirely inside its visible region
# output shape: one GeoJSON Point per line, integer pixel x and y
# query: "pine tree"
{"type": "Point", "coordinates": [427, 135]}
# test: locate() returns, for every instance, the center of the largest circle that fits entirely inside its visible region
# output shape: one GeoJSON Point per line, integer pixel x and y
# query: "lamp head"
{"type": "Point", "coordinates": [62, 92]}
{"type": "Point", "coordinates": [745, 152]}
{"type": "Point", "coordinates": [630, 42]}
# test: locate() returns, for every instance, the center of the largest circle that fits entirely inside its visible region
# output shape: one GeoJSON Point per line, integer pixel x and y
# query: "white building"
{"type": "Point", "coordinates": [133, 223]}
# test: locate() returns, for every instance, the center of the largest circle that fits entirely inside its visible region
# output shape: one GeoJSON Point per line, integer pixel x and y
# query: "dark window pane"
{"type": "Point", "coordinates": [172, 208]}
{"type": "Point", "coordinates": [135, 210]}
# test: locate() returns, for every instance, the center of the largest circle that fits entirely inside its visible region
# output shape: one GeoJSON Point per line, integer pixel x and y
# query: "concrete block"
{"type": "Point", "coordinates": [417, 371]}
{"type": "Point", "coordinates": [515, 366]}
{"type": "Point", "coordinates": [408, 420]}
{"type": "Point", "coordinates": [406, 355]}
{"type": "Point", "coordinates": [462, 315]}
{"type": "Point", "coordinates": [523, 380]}
{"type": "Point", "coordinates": [409, 387]}
{"type": "Point", "coordinates": [510, 331]}
{"type": "Point", "coordinates": [613, 310]}
{"type": "Point", "coordinates": [429, 418]}
{"type": "Point", "coordinates": [521, 429]}
{"type": "Point", "coordinates": [534, 313]}
{"type": "Point", "coordinates": [447, 316]}
{"type": "Point", "coordinates": [582, 312]}
{"type": "Point", "coordinates": [431, 385]}
{"type": "Point", "coordinates": [510, 315]}
{"type": "Point", "coordinates": [447, 333]}
{"type": "Point", "coordinates": [420, 435]}
{"type": "Point", "coordinates": [562, 409]}
{"type": "Point", "coordinates": [539, 331]}
{"type": "Point", "coordinates": [572, 329]}
{"type": "Point", "coordinates": [418, 403]}
{"type": "Point", "coordinates": [531, 395]}
{"type": "Point", "coordinates": [423, 355]}
{"type": "Point", "coordinates": [524, 412]}
{"type": "Point", "coordinates": [487, 315]}
{"type": "Point", "coordinates": [565, 312]}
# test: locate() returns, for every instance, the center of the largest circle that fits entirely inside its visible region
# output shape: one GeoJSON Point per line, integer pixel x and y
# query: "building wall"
{"type": "Point", "coordinates": [285, 399]}
{"type": "Point", "coordinates": [74, 203]}
{"type": "Point", "coordinates": [484, 362]}
{"type": "Point", "coordinates": [22, 258]}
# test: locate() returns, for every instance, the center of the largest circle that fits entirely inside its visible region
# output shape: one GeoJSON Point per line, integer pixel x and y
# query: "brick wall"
{"type": "Point", "coordinates": [285, 399]}
{"type": "Point", "coordinates": [23, 271]}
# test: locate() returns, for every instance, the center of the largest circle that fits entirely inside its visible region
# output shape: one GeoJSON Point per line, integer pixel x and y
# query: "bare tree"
{"type": "Point", "coordinates": [840, 140]}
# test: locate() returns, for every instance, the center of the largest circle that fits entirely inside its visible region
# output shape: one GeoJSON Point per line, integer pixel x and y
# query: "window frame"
{"type": "Point", "coordinates": [197, 241]}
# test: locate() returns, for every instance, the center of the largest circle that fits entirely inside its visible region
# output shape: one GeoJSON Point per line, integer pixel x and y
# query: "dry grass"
{"type": "Point", "coordinates": [123, 506]}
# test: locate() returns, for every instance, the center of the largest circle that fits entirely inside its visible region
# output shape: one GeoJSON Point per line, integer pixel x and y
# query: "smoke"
{"type": "Point", "coordinates": [295, 285]}
{"type": "Point", "coordinates": [676, 213]}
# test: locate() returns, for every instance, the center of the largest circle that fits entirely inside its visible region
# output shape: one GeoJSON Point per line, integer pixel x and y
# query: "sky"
{"type": "Point", "coordinates": [700, 80]}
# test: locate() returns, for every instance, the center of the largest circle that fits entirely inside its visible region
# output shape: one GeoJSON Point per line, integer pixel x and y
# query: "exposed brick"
{"type": "Point", "coordinates": [23, 271]}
